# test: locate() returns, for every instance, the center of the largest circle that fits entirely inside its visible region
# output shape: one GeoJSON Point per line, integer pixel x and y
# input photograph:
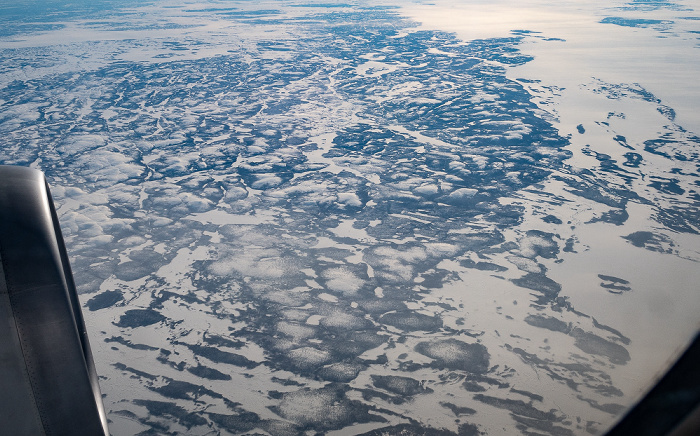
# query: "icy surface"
{"type": "Point", "coordinates": [354, 218]}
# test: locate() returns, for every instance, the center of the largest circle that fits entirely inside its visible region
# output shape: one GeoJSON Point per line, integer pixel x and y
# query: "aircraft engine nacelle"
{"type": "Point", "coordinates": [48, 383]}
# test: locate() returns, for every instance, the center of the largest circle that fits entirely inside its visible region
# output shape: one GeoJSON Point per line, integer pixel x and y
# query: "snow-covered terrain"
{"type": "Point", "coordinates": [362, 218]}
